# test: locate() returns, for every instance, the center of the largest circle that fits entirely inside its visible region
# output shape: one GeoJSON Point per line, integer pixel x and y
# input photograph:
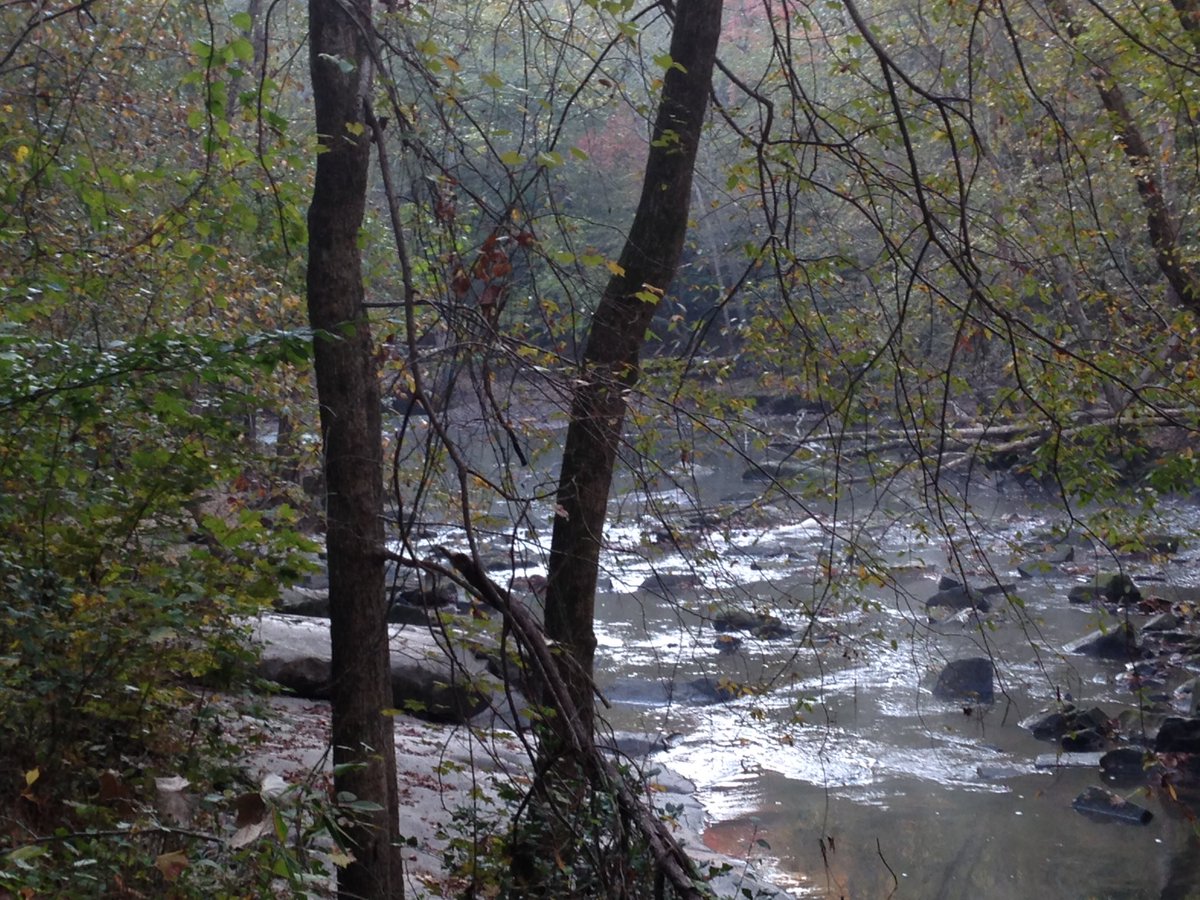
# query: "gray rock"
{"type": "Point", "coordinates": [760, 624]}
{"type": "Point", "coordinates": [1097, 803]}
{"type": "Point", "coordinates": [637, 747]}
{"type": "Point", "coordinates": [959, 597]}
{"type": "Point", "coordinates": [1047, 562]}
{"type": "Point", "coordinates": [1113, 587]}
{"type": "Point", "coordinates": [1120, 643]}
{"type": "Point", "coordinates": [1178, 735]}
{"type": "Point", "coordinates": [1162, 622]}
{"type": "Point", "coordinates": [1127, 765]}
{"type": "Point", "coordinates": [305, 601]}
{"type": "Point", "coordinates": [1001, 771]}
{"type": "Point", "coordinates": [426, 680]}
{"type": "Point", "coordinates": [1056, 723]}
{"type": "Point", "coordinates": [966, 679]}
{"type": "Point", "coordinates": [665, 582]}
{"type": "Point", "coordinates": [1086, 740]}
{"type": "Point", "coordinates": [702, 691]}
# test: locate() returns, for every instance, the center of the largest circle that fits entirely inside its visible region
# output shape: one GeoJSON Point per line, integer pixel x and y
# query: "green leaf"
{"type": "Point", "coordinates": [242, 49]}
{"type": "Point", "coordinates": [512, 158]}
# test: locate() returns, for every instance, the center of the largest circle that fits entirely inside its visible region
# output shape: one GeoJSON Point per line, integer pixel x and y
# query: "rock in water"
{"type": "Point", "coordinates": [1178, 735]}
{"type": "Point", "coordinates": [966, 679]}
{"type": "Point", "coordinates": [1056, 723]}
{"type": "Point", "coordinates": [1115, 588]}
{"type": "Point", "coordinates": [1105, 806]}
{"type": "Point", "coordinates": [959, 597]}
{"type": "Point", "coordinates": [1121, 643]}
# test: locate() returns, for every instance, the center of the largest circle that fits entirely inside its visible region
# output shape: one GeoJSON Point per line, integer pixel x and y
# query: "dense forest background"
{"type": "Point", "coordinates": [961, 234]}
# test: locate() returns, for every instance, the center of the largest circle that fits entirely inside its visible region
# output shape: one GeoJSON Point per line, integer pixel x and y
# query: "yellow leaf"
{"type": "Point", "coordinates": [615, 267]}
{"type": "Point", "coordinates": [31, 776]}
{"type": "Point", "coordinates": [21, 154]}
{"type": "Point", "coordinates": [171, 864]}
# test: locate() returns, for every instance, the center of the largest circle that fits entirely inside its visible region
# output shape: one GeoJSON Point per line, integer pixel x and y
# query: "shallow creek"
{"type": "Point", "coordinates": [838, 768]}
{"type": "Point", "coordinates": [835, 766]}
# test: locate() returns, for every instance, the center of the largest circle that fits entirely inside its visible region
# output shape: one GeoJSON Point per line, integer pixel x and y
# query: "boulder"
{"type": "Point", "coordinates": [1120, 643]}
{"type": "Point", "coordinates": [1166, 621]}
{"type": "Point", "coordinates": [760, 624]}
{"type": "Point", "coordinates": [1115, 587]}
{"type": "Point", "coordinates": [663, 583]}
{"type": "Point", "coordinates": [435, 595]}
{"type": "Point", "coordinates": [1056, 723]}
{"type": "Point", "coordinates": [425, 680]}
{"type": "Point", "coordinates": [1178, 735]}
{"type": "Point", "coordinates": [635, 746]}
{"type": "Point", "coordinates": [954, 595]}
{"type": "Point", "coordinates": [727, 643]}
{"type": "Point", "coordinates": [1047, 562]}
{"type": "Point", "coordinates": [702, 691]}
{"type": "Point", "coordinates": [966, 679]}
{"type": "Point", "coordinates": [305, 601]}
{"type": "Point", "coordinates": [1126, 766]}
{"type": "Point", "coordinates": [1086, 740]}
{"type": "Point", "coordinates": [1067, 761]}
{"type": "Point", "coordinates": [959, 597]}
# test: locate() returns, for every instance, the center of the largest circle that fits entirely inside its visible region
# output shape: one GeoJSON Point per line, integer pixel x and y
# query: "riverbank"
{"type": "Point", "coordinates": [448, 780]}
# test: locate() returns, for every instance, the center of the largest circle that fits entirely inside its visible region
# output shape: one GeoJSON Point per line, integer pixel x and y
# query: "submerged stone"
{"type": "Point", "coordinates": [1126, 765]}
{"type": "Point", "coordinates": [1101, 805]}
{"type": "Point", "coordinates": [1056, 723]}
{"type": "Point", "coordinates": [1178, 735]}
{"type": "Point", "coordinates": [1046, 563]}
{"type": "Point", "coordinates": [966, 679]}
{"type": "Point", "coordinates": [959, 597]}
{"type": "Point", "coordinates": [1120, 643]}
{"type": "Point", "coordinates": [1111, 588]}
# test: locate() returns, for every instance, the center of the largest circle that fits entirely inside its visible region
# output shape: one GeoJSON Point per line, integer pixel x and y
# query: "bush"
{"type": "Point", "coordinates": [128, 568]}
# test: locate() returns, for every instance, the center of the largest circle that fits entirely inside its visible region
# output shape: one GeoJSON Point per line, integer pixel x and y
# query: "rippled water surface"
{"type": "Point", "coordinates": [838, 767]}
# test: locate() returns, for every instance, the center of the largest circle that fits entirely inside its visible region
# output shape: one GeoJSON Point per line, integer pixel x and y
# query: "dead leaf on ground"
{"type": "Point", "coordinates": [171, 864]}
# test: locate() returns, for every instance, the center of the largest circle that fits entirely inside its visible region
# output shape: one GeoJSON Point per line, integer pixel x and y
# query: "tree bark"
{"type": "Point", "coordinates": [349, 397]}
{"type": "Point", "coordinates": [610, 362]}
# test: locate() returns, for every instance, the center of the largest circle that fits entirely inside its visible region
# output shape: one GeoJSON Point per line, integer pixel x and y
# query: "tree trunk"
{"type": "Point", "coordinates": [348, 393]}
{"type": "Point", "coordinates": [1160, 223]}
{"type": "Point", "coordinates": [610, 362]}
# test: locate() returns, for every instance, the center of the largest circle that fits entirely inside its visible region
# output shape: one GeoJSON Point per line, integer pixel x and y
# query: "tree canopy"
{"type": "Point", "coordinates": [961, 235]}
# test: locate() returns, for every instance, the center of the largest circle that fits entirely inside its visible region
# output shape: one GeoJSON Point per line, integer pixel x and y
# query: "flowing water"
{"type": "Point", "coordinates": [838, 768]}
{"type": "Point", "coordinates": [833, 764]}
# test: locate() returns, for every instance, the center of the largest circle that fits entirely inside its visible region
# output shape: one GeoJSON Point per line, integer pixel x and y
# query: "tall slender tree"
{"type": "Point", "coordinates": [348, 392]}
{"type": "Point", "coordinates": [610, 365]}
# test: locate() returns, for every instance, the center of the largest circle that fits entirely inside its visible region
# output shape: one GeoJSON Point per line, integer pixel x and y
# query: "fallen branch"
{"type": "Point", "coordinates": [672, 860]}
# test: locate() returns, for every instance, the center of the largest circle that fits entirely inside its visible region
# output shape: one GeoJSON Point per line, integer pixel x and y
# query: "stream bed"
{"type": "Point", "coordinates": [827, 756]}
{"type": "Point", "coordinates": [784, 651]}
